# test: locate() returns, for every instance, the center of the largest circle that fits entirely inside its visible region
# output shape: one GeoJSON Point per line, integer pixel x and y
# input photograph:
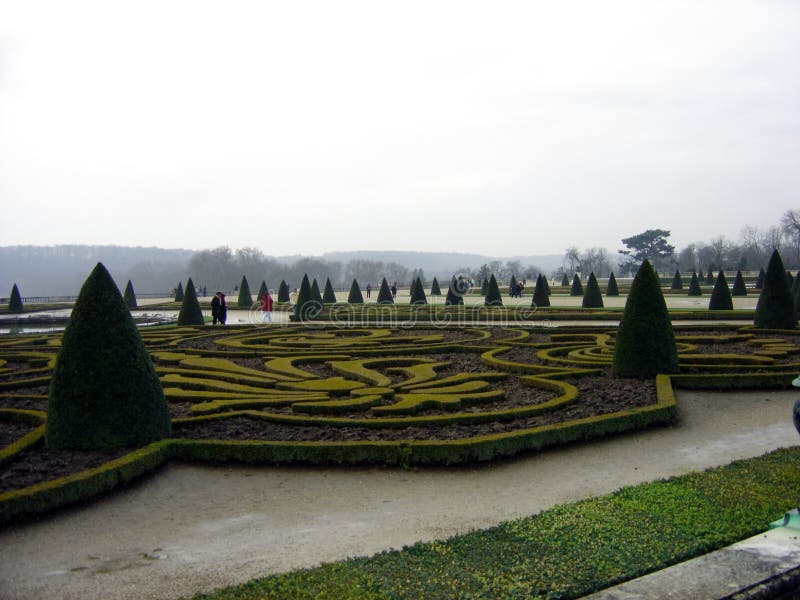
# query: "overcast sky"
{"type": "Point", "coordinates": [498, 128]}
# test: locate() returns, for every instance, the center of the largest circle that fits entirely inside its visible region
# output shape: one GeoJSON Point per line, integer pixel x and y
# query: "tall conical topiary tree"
{"type": "Point", "coordinates": [546, 285]}
{"type": "Point", "coordinates": [540, 297]}
{"type": "Point", "coordinates": [677, 282]}
{"type": "Point", "coordinates": [512, 284]}
{"type": "Point", "coordinates": [592, 298]}
{"type": "Point", "coordinates": [612, 289]}
{"type": "Point", "coordinates": [385, 294]}
{"type": "Point", "coordinates": [316, 296]}
{"type": "Point", "coordinates": [129, 296]}
{"type": "Point", "coordinates": [262, 289]}
{"type": "Point", "coordinates": [484, 287]}
{"type": "Point", "coordinates": [328, 297]}
{"type": "Point", "coordinates": [245, 297]}
{"type": "Point", "coordinates": [694, 286]}
{"type": "Point", "coordinates": [760, 279]}
{"type": "Point", "coordinates": [418, 293]}
{"type": "Point", "coordinates": [104, 390]}
{"type": "Point", "coordinates": [493, 297]}
{"type": "Point", "coordinates": [306, 308]}
{"type": "Point", "coordinates": [564, 280]}
{"type": "Point", "coordinates": [355, 296]}
{"type": "Point", "coordinates": [710, 277]}
{"type": "Point", "coordinates": [179, 292]}
{"type": "Point", "coordinates": [577, 288]}
{"type": "Point", "coordinates": [739, 288]}
{"type": "Point", "coordinates": [775, 308]}
{"type": "Point", "coordinates": [645, 344]}
{"type": "Point", "coordinates": [435, 289]}
{"type": "Point", "coordinates": [283, 292]}
{"type": "Point", "coordinates": [454, 296]}
{"type": "Point", "coordinates": [15, 301]}
{"type": "Point", "coordinates": [190, 313]}
{"type": "Point", "coordinates": [721, 294]}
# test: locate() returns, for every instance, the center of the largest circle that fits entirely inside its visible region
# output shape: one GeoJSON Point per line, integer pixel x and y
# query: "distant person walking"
{"type": "Point", "coordinates": [266, 307]}
{"type": "Point", "coordinates": [223, 309]}
{"type": "Point", "coordinates": [394, 290]}
{"type": "Point", "coordinates": [215, 304]}
{"type": "Point", "coordinates": [369, 290]}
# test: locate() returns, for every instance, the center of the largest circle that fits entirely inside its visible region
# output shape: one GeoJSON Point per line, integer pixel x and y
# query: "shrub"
{"type": "Point", "coordinates": [592, 298]}
{"type": "Point", "coordinates": [694, 286]}
{"type": "Point", "coordinates": [418, 293]}
{"type": "Point", "coordinates": [577, 288]}
{"type": "Point", "coordinates": [721, 294]}
{"type": "Point", "coordinates": [493, 294]}
{"type": "Point", "coordinates": [775, 308]}
{"type": "Point", "coordinates": [385, 294]}
{"type": "Point", "coordinates": [564, 280]}
{"type": "Point", "coordinates": [306, 308]}
{"type": "Point", "coordinates": [739, 288]}
{"type": "Point", "coordinates": [540, 297]}
{"type": "Point", "coordinates": [329, 297]}
{"type": "Point", "coordinates": [512, 286]}
{"type": "Point", "coordinates": [190, 313]}
{"type": "Point", "coordinates": [435, 289]}
{"type": "Point", "coordinates": [245, 298]}
{"type": "Point", "coordinates": [261, 290]}
{"type": "Point", "coordinates": [129, 296]}
{"type": "Point", "coordinates": [355, 296]}
{"type": "Point", "coordinates": [645, 344]}
{"type": "Point", "coordinates": [454, 296]}
{"type": "Point", "coordinates": [15, 301]}
{"type": "Point", "coordinates": [104, 391]}
{"type": "Point", "coordinates": [316, 296]}
{"type": "Point", "coordinates": [283, 292]}
{"type": "Point", "coordinates": [611, 288]}
{"type": "Point", "coordinates": [546, 284]}
{"type": "Point", "coordinates": [179, 292]}
{"type": "Point", "coordinates": [760, 279]}
{"type": "Point", "coordinates": [677, 282]}
{"type": "Point", "coordinates": [710, 277]}
{"type": "Point", "coordinates": [484, 287]}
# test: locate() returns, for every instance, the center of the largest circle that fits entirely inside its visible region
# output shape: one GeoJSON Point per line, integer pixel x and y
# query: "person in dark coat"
{"type": "Point", "coordinates": [215, 303]}
{"type": "Point", "coordinates": [223, 309]}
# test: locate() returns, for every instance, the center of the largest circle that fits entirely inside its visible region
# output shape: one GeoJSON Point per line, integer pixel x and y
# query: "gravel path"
{"type": "Point", "coordinates": [194, 528]}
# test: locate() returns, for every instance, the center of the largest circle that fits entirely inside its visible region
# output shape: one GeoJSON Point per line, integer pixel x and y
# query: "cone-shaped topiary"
{"type": "Point", "coordinates": [328, 297]}
{"type": "Point", "coordinates": [15, 301]}
{"type": "Point", "coordinates": [454, 296]}
{"type": "Point", "coordinates": [721, 294]}
{"type": "Point", "coordinates": [484, 287]}
{"type": "Point", "coordinates": [546, 285]}
{"type": "Point", "coordinates": [418, 293]}
{"type": "Point", "coordinates": [179, 292]}
{"type": "Point", "coordinates": [694, 286]}
{"type": "Point", "coordinates": [512, 286]}
{"type": "Point", "coordinates": [611, 288]}
{"type": "Point", "coordinates": [540, 297]}
{"type": "Point", "coordinates": [592, 298]}
{"type": "Point", "coordinates": [435, 289]}
{"type": "Point", "coordinates": [710, 277]}
{"type": "Point", "coordinates": [190, 313]}
{"type": "Point", "coordinates": [129, 296]}
{"type": "Point", "coordinates": [645, 344]}
{"type": "Point", "coordinates": [283, 292]}
{"type": "Point", "coordinates": [306, 308]}
{"type": "Point", "coordinates": [104, 391]}
{"type": "Point", "coordinates": [577, 288]}
{"type": "Point", "coordinates": [739, 288]}
{"type": "Point", "coordinates": [677, 282]}
{"type": "Point", "coordinates": [760, 279]}
{"type": "Point", "coordinates": [564, 280]}
{"type": "Point", "coordinates": [355, 296]}
{"type": "Point", "coordinates": [261, 290]}
{"type": "Point", "coordinates": [316, 295]}
{"type": "Point", "coordinates": [493, 294]}
{"type": "Point", "coordinates": [385, 294]}
{"type": "Point", "coordinates": [245, 297]}
{"type": "Point", "coordinates": [775, 308]}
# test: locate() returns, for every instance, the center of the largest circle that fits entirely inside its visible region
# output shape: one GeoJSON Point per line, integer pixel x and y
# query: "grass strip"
{"type": "Point", "coordinates": [567, 551]}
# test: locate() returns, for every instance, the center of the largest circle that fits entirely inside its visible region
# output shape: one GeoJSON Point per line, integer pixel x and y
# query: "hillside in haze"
{"type": "Point", "coordinates": [60, 270]}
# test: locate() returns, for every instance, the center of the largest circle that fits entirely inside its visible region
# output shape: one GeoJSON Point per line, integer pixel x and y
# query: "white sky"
{"type": "Point", "coordinates": [499, 128]}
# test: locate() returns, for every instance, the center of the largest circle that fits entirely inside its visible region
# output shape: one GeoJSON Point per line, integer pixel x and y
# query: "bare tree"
{"type": "Point", "coordinates": [572, 259]}
{"type": "Point", "coordinates": [595, 260]}
{"type": "Point", "coordinates": [790, 224]}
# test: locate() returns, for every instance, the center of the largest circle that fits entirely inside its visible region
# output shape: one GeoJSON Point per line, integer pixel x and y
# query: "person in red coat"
{"type": "Point", "coordinates": [266, 307]}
